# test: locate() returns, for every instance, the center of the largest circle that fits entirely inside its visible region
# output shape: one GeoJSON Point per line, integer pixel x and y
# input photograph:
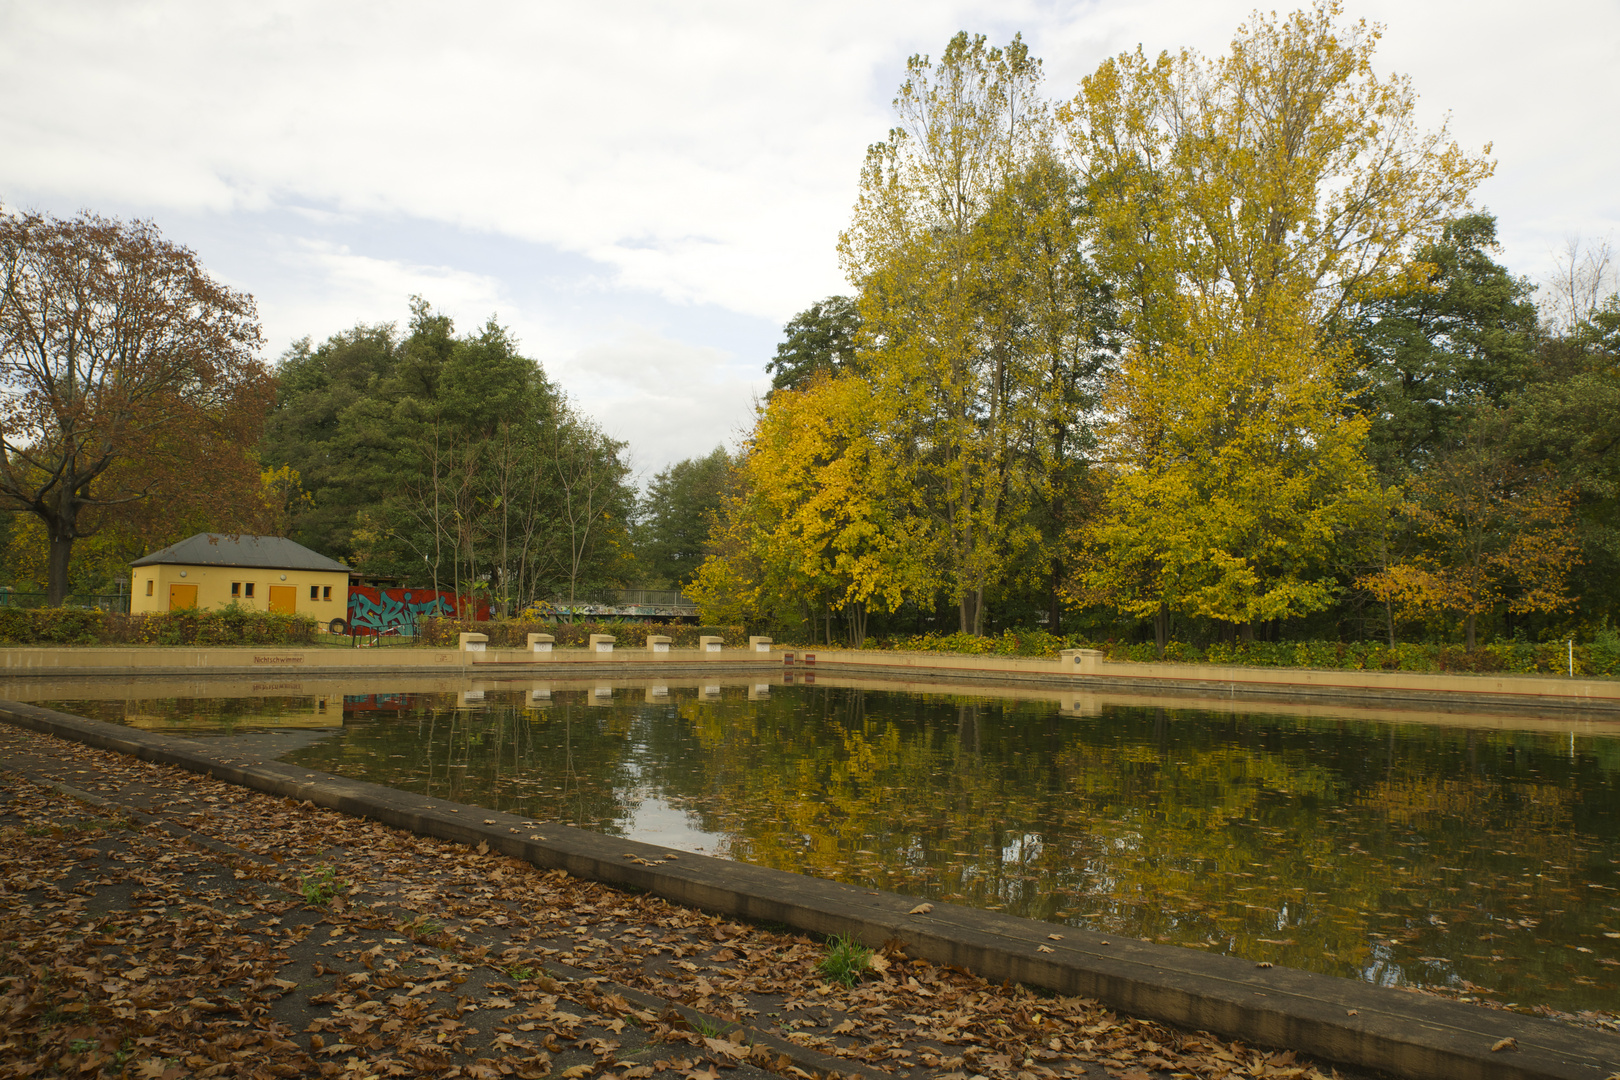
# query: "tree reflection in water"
{"type": "Point", "coordinates": [1486, 861]}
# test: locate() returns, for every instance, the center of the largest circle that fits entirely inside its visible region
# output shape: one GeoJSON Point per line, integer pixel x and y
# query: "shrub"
{"type": "Point", "coordinates": [229, 626]}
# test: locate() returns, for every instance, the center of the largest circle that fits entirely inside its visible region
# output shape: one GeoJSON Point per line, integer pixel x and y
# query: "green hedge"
{"type": "Point", "coordinates": [1600, 656]}
{"type": "Point", "coordinates": [514, 633]}
{"type": "Point", "coordinates": [78, 626]}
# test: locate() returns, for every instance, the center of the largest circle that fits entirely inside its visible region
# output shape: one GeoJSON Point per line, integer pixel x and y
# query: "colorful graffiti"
{"type": "Point", "coordinates": [372, 609]}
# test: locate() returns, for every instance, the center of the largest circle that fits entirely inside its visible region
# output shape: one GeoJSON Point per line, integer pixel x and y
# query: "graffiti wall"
{"type": "Point", "coordinates": [371, 608]}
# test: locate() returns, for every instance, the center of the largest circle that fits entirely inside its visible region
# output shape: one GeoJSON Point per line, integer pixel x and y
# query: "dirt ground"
{"type": "Point", "coordinates": [157, 924]}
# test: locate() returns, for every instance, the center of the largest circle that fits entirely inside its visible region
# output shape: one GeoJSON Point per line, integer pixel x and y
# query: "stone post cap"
{"type": "Point", "coordinates": [711, 643]}
{"type": "Point", "coordinates": [473, 642]}
{"type": "Point", "coordinates": [602, 642]}
{"type": "Point", "coordinates": [759, 644]}
{"type": "Point", "coordinates": [1084, 659]}
{"type": "Point", "coordinates": [541, 639]}
{"type": "Point", "coordinates": [657, 643]}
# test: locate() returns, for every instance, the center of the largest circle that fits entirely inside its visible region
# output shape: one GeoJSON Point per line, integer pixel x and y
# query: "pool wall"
{"type": "Point", "coordinates": [1081, 669]}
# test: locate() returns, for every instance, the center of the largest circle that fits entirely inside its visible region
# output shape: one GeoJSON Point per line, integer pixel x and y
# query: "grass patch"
{"type": "Point", "coordinates": [321, 887]}
{"type": "Point", "coordinates": [846, 960]}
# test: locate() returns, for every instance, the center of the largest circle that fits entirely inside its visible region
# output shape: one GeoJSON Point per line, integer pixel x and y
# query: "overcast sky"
{"type": "Point", "coordinates": [646, 192]}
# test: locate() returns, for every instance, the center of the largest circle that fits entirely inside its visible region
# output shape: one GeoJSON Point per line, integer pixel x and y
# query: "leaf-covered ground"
{"type": "Point", "coordinates": [172, 925]}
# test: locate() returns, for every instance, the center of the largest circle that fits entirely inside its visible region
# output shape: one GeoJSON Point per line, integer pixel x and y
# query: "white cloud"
{"type": "Point", "coordinates": [615, 175]}
{"type": "Point", "coordinates": [668, 399]}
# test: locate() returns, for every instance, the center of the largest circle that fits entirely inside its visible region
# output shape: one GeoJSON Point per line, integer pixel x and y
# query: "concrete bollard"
{"type": "Point", "coordinates": [709, 644]}
{"type": "Point", "coordinates": [602, 642]}
{"type": "Point", "coordinates": [657, 643]}
{"type": "Point", "coordinates": [541, 642]}
{"type": "Point", "coordinates": [474, 642]}
{"type": "Point", "coordinates": [759, 644]}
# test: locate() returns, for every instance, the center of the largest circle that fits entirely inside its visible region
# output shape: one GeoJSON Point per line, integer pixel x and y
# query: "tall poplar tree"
{"type": "Point", "coordinates": [1244, 207]}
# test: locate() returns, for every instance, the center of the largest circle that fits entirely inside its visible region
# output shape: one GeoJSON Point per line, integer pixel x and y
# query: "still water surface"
{"type": "Point", "coordinates": [1482, 861]}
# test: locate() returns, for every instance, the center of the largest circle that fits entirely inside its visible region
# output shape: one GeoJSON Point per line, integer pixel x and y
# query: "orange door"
{"type": "Point", "coordinates": [182, 596]}
{"type": "Point", "coordinates": [283, 599]}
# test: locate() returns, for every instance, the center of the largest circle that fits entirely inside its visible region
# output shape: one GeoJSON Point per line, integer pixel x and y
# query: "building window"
{"type": "Point", "coordinates": [148, 586]}
{"type": "Point", "coordinates": [247, 589]}
{"type": "Point", "coordinates": [314, 592]}
{"type": "Point", "coordinates": [326, 592]}
{"type": "Point", "coordinates": [236, 589]}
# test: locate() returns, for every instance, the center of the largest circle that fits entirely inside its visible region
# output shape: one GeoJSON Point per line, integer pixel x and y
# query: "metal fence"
{"type": "Point", "coordinates": [625, 598]}
{"type": "Point", "coordinates": [116, 602]}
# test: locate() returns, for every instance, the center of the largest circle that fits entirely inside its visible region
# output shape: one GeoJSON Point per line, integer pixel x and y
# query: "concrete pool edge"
{"type": "Point", "coordinates": [1080, 674]}
{"type": "Point", "coordinates": [1333, 1019]}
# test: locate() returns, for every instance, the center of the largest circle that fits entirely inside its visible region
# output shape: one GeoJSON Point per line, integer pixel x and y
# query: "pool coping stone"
{"type": "Point", "coordinates": [1330, 1018]}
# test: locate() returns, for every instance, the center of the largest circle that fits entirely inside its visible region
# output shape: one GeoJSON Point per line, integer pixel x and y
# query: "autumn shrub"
{"type": "Point", "coordinates": [514, 633]}
{"type": "Point", "coordinates": [229, 626]}
{"type": "Point", "coordinates": [1010, 642]}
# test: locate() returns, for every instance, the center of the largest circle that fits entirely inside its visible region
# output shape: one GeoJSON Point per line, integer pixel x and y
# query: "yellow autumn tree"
{"type": "Point", "coordinates": [1242, 205]}
{"type": "Point", "coordinates": [816, 530]}
{"type": "Point", "coordinates": [961, 409]}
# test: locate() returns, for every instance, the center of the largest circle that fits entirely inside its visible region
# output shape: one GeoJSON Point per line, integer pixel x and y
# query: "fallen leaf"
{"type": "Point", "coordinates": [921, 909]}
{"type": "Point", "coordinates": [726, 1049]}
{"type": "Point", "coordinates": [1509, 1043]}
{"type": "Point", "coordinates": [1264, 964]}
{"type": "Point", "coordinates": [1054, 937]}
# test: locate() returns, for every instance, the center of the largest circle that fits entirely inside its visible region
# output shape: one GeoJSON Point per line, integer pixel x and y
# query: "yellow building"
{"type": "Point", "coordinates": [269, 573]}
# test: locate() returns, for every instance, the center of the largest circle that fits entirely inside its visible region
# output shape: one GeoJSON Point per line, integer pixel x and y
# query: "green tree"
{"type": "Point", "coordinates": [1428, 356]}
{"type": "Point", "coordinates": [675, 517]}
{"type": "Point", "coordinates": [819, 340]}
{"type": "Point", "coordinates": [451, 459]}
{"type": "Point", "coordinates": [129, 379]}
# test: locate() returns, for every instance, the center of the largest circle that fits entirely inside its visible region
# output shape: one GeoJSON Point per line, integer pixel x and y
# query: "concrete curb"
{"type": "Point", "coordinates": [1332, 1019]}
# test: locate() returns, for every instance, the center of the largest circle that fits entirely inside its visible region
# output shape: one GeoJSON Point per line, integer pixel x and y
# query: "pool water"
{"type": "Point", "coordinates": [1483, 861]}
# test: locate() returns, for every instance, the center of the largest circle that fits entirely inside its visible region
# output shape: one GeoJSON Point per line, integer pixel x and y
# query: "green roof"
{"type": "Point", "coordinates": [233, 549]}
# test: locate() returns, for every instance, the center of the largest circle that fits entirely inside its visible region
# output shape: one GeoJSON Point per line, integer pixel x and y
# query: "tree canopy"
{"type": "Point", "coordinates": [1217, 342]}
{"type": "Point", "coordinates": [131, 391]}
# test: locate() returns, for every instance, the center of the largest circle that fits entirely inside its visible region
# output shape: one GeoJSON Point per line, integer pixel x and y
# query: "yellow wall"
{"type": "Point", "coordinates": [214, 583]}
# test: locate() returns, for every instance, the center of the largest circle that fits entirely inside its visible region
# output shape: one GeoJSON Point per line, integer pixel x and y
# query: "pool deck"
{"type": "Point", "coordinates": [1332, 1019]}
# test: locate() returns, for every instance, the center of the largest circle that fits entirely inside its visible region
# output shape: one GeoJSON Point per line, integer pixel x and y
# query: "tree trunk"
{"type": "Point", "coordinates": [61, 554]}
{"type": "Point", "coordinates": [1468, 630]}
{"type": "Point", "coordinates": [1161, 628]}
{"type": "Point", "coordinates": [1389, 621]}
{"type": "Point", "coordinates": [1054, 621]}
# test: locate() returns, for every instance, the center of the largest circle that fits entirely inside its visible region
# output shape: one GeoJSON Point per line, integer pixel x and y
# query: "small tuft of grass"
{"type": "Point", "coordinates": [321, 887]}
{"type": "Point", "coordinates": [846, 960]}
{"type": "Point", "coordinates": [520, 972]}
{"type": "Point", "coordinates": [709, 1029]}
{"type": "Point", "coordinates": [422, 929]}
